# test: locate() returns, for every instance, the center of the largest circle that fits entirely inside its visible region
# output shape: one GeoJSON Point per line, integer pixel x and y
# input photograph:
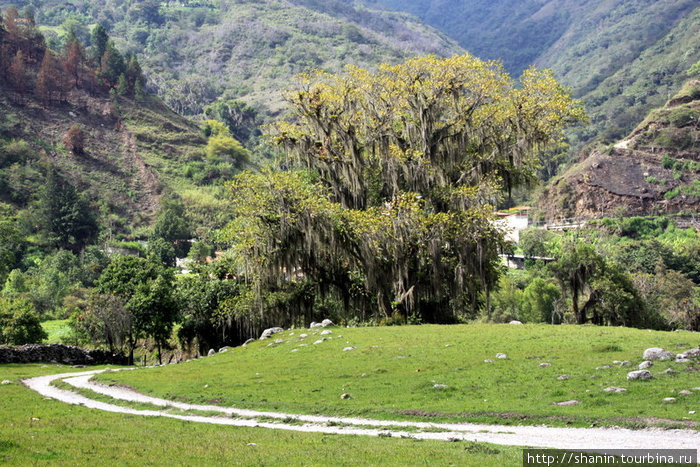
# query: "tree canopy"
{"type": "Point", "coordinates": [393, 179]}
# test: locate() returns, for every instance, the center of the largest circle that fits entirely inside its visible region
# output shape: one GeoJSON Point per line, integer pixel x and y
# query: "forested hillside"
{"type": "Point", "coordinates": [196, 52]}
{"type": "Point", "coordinates": [78, 119]}
{"type": "Point", "coordinates": [622, 57]}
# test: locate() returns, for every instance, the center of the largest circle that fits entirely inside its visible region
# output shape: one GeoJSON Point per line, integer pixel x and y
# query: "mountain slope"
{"type": "Point", "coordinates": [655, 170]}
{"type": "Point", "coordinates": [622, 57]}
{"type": "Point", "coordinates": [247, 50]}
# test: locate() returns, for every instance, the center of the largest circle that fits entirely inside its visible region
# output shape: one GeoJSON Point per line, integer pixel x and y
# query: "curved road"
{"type": "Point", "coordinates": [533, 436]}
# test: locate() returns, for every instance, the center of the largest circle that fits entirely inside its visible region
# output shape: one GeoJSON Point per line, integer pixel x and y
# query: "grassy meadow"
{"type": "Point", "coordinates": [39, 431]}
{"type": "Point", "coordinates": [56, 329]}
{"type": "Point", "coordinates": [392, 373]}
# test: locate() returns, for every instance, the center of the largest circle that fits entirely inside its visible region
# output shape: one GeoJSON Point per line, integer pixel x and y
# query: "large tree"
{"type": "Point", "coordinates": [405, 166]}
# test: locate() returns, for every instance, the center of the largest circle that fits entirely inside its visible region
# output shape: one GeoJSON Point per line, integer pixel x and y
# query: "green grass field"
{"type": "Point", "coordinates": [392, 373]}
{"type": "Point", "coordinates": [38, 431]}
{"type": "Point", "coordinates": [56, 329]}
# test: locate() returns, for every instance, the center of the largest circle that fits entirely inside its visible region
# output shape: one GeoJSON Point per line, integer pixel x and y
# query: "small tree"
{"type": "Point", "coordinates": [73, 61]}
{"type": "Point", "coordinates": [99, 39]}
{"type": "Point", "coordinates": [17, 74]}
{"type": "Point", "coordinates": [50, 80]}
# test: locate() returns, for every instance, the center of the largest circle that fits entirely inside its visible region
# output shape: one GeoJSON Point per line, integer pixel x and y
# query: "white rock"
{"type": "Point", "coordinates": [683, 360]}
{"type": "Point", "coordinates": [563, 377]}
{"type": "Point", "coordinates": [320, 341]}
{"type": "Point", "coordinates": [604, 367]}
{"type": "Point", "coordinates": [490, 360]}
{"type": "Point", "coordinates": [223, 349]}
{"type": "Point", "coordinates": [692, 353]}
{"type": "Point", "coordinates": [545, 365]}
{"type": "Point", "coordinates": [669, 400]}
{"type": "Point", "coordinates": [303, 335]}
{"type": "Point", "coordinates": [326, 332]}
{"type": "Point", "coordinates": [515, 321]}
{"type": "Point", "coordinates": [211, 352]}
{"type": "Point", "coordinates": [279, 341]}
{"type": "Point", "coordinates": [270, 331]}
{"type": "Point", "coordinates": [657, 353]}
{"type": "Point", "coordinates": [639, 374]}
{"type": "Point", "coordinates": [345, 396]}
{"type": "Point", "coordinates": [685, 392]}
{"type": "Point", "coordinates": [347, 349]}
{"type": "Point", "coordinates": [248, 341]}
{"type": "Point", "coordinates": [294, 350]}
{"type": "Point", "coordinates": [646, 364]}
{"type": "Point", "coordinates": [326, 322]}
{"type": "Point", "coordinates": [5, 381]}
{"type": "Point", "coordinates": [668, 371]}
{"type": "Point", "coordinates": [625, 363]}
{"type": "Point", "coordinates": [314, 324]}
{"type": "Point", "coordinates": [501, 355]}
{"type": "Point", "coordinates": [439, 386]}
{"type": "Point", "coordinates": [614, 389]}
{"type": "Point", "coordinates": [565, 403]}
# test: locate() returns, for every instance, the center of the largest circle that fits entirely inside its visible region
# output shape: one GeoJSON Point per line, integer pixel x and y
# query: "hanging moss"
{"type": "Point", "coordinates": [395, 175]}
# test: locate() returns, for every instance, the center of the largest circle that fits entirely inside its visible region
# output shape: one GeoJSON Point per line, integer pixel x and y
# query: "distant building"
{"type": "Point", "coordinates": [513, 221]}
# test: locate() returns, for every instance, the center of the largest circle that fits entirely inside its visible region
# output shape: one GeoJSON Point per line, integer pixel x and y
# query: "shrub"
{"type": "Point", "coordinates": [75, 140]}
{"type": "Point", "coordinates": [19, 323]}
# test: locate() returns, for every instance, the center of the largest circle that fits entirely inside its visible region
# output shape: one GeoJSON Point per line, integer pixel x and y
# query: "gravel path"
{"type": "Point", "coordinates": [534, 436]}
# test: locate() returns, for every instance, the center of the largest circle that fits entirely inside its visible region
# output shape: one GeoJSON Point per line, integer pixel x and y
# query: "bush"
{"type": "Point", "coordinates": [75, 140]}
{"type": "Point", "coordinates": [19, 323]}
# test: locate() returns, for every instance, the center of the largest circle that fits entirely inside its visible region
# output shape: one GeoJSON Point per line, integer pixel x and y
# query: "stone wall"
{"type": "Point", "coordinates": [58, 353]}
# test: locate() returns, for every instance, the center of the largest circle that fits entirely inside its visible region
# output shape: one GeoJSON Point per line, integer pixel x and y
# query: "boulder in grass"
{"type": "Point", "coordinates": [684, 392]}
{"type": "Point", "coordinates": [270, 331]}
{"type": "Point", "coordinates": [563, 377]}
{"type": "Point", "coordinates": [668, 371]}
{"type": "Point", "coordinates": [515, 321]}
{"type": "Point", "coordinates": [614, 389]}
{"type": "Point", "coordinates": [565, 403]}
{"type": "Point", "coordinates": [669, 400]}
{"type": "Point", "coordinates": [646, 364]}
{"type": "Point", "coordinates": [249, 341]}
{"type": "Point", "coordinates": [639, 374]}
{"type": "Point", "coordinates": [692, 353]}
{"type": "Point", "coordinates": [326, 322]}
{"type": "Point", "coordinates": [211, 352]}
{"type": "Point", "coordinates": [545, 365]}
{"type": "Point", "coordinates": [501, 355]}
{"type": "Point", "coordinates": [657, 353]}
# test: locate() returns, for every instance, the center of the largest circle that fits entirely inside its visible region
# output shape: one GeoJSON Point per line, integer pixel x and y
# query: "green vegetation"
{"type": "Point", "coordinates": [37, 430]}
{"type": "Point", "coordinates": [621, 58]}
{"type": "Point", "coordinates": [57, 330]}
{"type": "Point", "coordinates": [246, 51]}
{"type": "Point", "coordinates": [392, 372]}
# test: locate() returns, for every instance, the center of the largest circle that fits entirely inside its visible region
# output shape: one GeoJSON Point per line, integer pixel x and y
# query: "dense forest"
{"type": "Point", "coordinates": [368, 200]}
